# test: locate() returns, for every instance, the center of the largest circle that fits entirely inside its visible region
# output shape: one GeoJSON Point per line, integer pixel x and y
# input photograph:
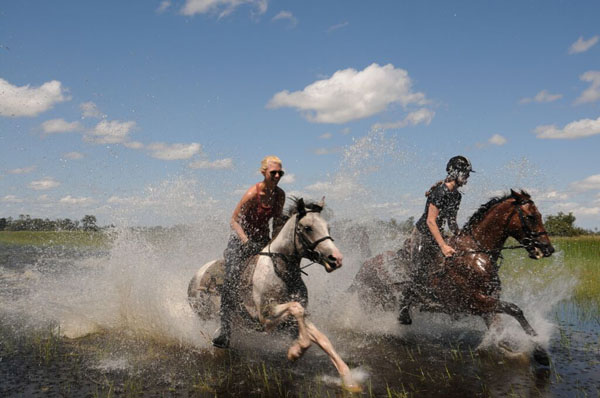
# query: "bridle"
{"type": "Point", "coordinates": [529, 240]}
{"type": "Point", "coordinates": [307, 248]}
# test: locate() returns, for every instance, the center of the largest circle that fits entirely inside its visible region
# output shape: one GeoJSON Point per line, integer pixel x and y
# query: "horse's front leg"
{"type": "Point", "coordinates": [278, 314]}
{"type": "Point", "coordinates": [504, 307]}
{"type": "Point", "coordinates": [322, 341]}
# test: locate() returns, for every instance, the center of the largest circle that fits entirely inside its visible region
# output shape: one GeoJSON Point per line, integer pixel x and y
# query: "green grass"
{"type": "Point", "coordinates": [55, 238]}
{"type": "Point", "coordinates": [577, 257]}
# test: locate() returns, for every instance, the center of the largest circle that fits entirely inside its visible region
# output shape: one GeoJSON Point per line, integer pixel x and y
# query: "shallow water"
{"type": "Point", "coordinates": [115, 322]}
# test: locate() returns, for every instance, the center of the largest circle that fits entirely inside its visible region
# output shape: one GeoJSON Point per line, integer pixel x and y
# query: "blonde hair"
{"type": "Point", "coordinates": [264, 164]}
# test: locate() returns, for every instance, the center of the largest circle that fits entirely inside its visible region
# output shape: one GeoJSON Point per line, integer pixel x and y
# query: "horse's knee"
{"type": "Point", "coordinates": [296, 309]}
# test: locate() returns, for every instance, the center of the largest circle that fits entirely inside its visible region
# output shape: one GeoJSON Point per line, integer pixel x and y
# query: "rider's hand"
{"type": "Point", "coordinates": [448, 251]}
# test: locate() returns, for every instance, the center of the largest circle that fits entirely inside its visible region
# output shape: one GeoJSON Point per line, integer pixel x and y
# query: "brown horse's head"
{"type": "Point", "coordinates": [526, 226]}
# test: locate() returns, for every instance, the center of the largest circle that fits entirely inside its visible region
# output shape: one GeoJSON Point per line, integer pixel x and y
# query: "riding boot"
{"type": "Point", "coordinates": [404, 314]}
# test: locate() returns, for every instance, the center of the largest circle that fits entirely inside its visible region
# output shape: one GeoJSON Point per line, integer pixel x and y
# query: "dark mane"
{"type": "Point", "coordinates": [484, 208]}
{"type": "Point", "coordinates": [293, 207]}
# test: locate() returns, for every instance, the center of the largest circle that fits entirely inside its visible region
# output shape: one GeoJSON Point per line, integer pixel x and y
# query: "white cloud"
{"type": "Point", "coordinates": [12, 199]}
{"type": "Point", "coordinates": [110, 132]}
{"type": "Point", "coordinates": [90, 109]}
{"type": "Point", "coordinates": [412, 119]}
{"type": "Point", "coordinates": [55, 126]}
{"type": "Point", "coordinates": [587, 184]}
{"type": "Point", "coordinates": [70, 200]}
{"type": "Point", "coordinates": [226, 163]}
{"type": "Point", "coordinates": [286, 15]}
{"type": "Point", "coordinates": [345, 130]}
{"type": "Point", "coordinates": [133, 144]}
{"type": "Point", "coordinates": [327, 151]}
{"type": "Point", "coordinates": [24, 170]}
{"type": "Point", "coordinates": [73, 155]}
{"type": "Point", "coordinates": [325, 136]}
{"type": "Point", "coordinates": [542, 96]}
{"type": "Point", "coordinates": [222, 7]}
{"type": "Point", "coordinates": [30, 101]}
{"type": "Point", "coordinates": [582, 45]}
{"type": "Point", "coordinates": [577, 129]}
{"type": "Point", "coordinates": [164, 5]}
{"type": "Point", "coordinates": [337, 26]}
{"type": "Point", "coordinates": [350, 94]}
{"type": "Point", "coordinates": [160, 150]}
{"type": "Point", "coordinates": [43, 184]}
{"type": "Point", "coordinates": [288, 179]}
{"type": "Point", "coordinates": [497, 139]}
{"type": "Point", "coordinates": [342, 187]}
{"type": "Point", "coordinates": [592, 93]}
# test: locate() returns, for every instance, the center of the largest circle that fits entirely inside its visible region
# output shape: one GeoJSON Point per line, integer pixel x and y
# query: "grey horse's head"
{"type": "Point", "coordinates": [312, 234]}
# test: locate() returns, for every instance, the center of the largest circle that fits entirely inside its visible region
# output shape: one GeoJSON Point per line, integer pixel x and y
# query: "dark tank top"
{"type": "Point", "coordinates": [446, 201]}
{"type": "Point", "coordinates": [255, 223]}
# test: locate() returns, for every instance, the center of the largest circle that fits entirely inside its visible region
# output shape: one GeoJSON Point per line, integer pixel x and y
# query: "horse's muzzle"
{"type": "Point", "coordinates": [332, 262]}
{"type": "Point", "coordinates": [540, 250]}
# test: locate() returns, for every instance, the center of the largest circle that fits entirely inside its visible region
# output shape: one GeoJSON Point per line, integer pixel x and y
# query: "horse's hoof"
{"type": "Point", "coordinates": [540, 355]}
{"type": "Point", "coordinates": [404, 316]}
{"type": "Point", "coordinates": [352, 388]}
{"type": "Point", "coordinates": [294, 352]}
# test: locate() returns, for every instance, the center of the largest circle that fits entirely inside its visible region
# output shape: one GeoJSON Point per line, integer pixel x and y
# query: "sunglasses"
{"type": "Point", "coordinates": [274, 172]}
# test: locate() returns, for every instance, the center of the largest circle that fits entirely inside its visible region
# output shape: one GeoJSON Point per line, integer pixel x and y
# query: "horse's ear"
{"type": "Point", "coordinates": [321, 203]}
{"type": "Point", "coordinates": [525, 194]}
{"type": "Point", "coordinates": [301, 207]}
{"type": "Point", "coordinates": [514, 194]}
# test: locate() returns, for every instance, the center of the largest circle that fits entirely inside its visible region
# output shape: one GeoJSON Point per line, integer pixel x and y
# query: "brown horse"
{"type": "Point", "coordinates": [467, 282]}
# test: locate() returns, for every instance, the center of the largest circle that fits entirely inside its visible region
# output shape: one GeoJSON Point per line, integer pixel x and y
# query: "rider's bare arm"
{"type": "Point", "coordinates": [250, 195]}
{"type": "Point", "coordinates": [432, 214]}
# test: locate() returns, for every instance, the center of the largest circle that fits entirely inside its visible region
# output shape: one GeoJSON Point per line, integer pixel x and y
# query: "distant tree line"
{"type": "Point", "coordinates": [563, 224]}
{"type": "Point", "coordinates": [25, 223]}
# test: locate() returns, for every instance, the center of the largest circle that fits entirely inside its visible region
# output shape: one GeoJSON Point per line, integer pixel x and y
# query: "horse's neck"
{"type": "Point", "coordinates": [284, 241]}
{"type": "Point", "coordinates": [491, 232]}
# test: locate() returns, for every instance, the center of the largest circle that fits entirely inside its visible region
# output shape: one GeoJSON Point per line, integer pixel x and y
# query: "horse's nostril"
{"type": "Point", "coordinates": [333, 259]}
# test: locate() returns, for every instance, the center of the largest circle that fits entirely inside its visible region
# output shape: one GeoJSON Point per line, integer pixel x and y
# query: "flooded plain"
{"type": "Point", "coordinates": [114, 321]}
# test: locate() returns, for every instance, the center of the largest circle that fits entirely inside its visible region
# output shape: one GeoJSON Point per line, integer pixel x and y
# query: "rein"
{"type": "Point", "coordinates": [308, 247]}
{"type": "Point", "coordinates": [529, 235]}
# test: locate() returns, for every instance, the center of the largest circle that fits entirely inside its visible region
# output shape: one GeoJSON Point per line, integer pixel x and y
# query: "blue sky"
{"type": "Point", "coordinates": [127, 109]}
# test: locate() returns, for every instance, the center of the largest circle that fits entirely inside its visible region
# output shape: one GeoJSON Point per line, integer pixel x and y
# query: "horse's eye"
{"type": "Point", "coordinates": [308, 228]}
{"type": "Point", "coordinates": [531, 217]}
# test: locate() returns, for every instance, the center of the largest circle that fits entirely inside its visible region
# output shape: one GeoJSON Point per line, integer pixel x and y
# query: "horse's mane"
{"type": "Point", "coordinates": [484, 208]}
{"type": "Point", "coordinates": [294, 207]}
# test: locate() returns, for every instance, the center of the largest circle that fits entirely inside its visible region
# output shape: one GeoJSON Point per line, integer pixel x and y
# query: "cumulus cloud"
{"type": "Point", "coordinates": [226, 163]}
{"type": "Point", "coordinates": [587, 184]}
{"type": "Point", "coordinates": [497, 139]}
{"type": "Point", "coordinates": [73, 155]}
{"type": "Point", "coordinates": [341, 187]}
{"type": "Point", "coordinates": [592, 93]}
{"type": "Point", "coordinates": [582, 45]}
{"type": "Point", "coordinates": [56, 126]}
{"type": "Point", "coordinates": [327, 151]}
{"type": "Point", "coordinates": [286, 15]}
{"type": "Point", "coordinates": [23, 170]}
{"type": "Point", "coordinates": [110, 132]}
{"type": "Point", "coordinates": [288, 179]}
{"type": "Point", "coordinates": [133, 144]}
{"type": "Point", "coordinates": [577, 129]}
{"type": "Point", "coordinates": [30, 101]}
{"type": "Point", "coordinates": [421, 116]}
{"type": "Point", "coordinates": [542, 96]}
{"type": "Point", "coordinates": [70, 200]}
{"type": "Point", "coordinates": [160, 150]}
{"type": "Point", "coordinates": [350, 94]}
{"type": "Point", "coordinates": [44, 184]}
{"type": "Point", "coordinates": [221, 7]}
{"type": "Point", "coordinates": [163, 6]}
{"type": "Point", "coordinates": [90, 109]}
{"type": "Point", "coordinates": [337, 26]}
{"type": "Point", "coordinates": [12, 199]}
{"type": "Point", "coordinates": [325, 136]}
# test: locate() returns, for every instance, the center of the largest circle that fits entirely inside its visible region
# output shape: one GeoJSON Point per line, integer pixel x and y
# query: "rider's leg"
{"type": "Point", "coordinates": [233, 258]}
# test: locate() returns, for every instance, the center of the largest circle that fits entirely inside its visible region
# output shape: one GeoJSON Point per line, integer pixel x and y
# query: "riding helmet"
{"type": "Point", "coordinates": [459, 164]}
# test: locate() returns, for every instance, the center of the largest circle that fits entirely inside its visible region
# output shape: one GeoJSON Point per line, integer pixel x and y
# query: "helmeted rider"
{"type": "Point", "coordinates": [427, 240]}
{"type": "Point", "coordinates": [250, 233]}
